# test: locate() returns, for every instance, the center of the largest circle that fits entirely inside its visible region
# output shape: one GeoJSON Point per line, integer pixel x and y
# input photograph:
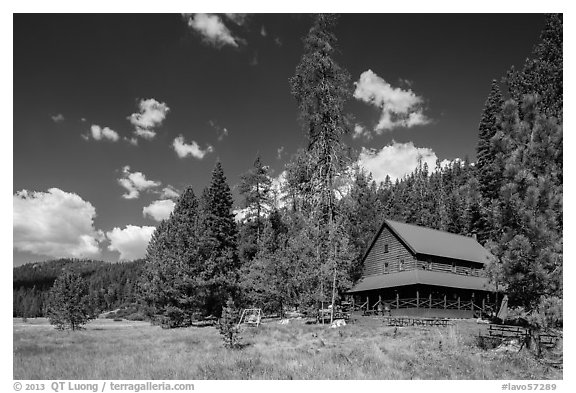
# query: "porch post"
{"type": "Point", "coordinates": [417, 299]}
{"type": "Point", "coordinates": [430, 301]}
{"type": "Point", "coordinates": [458, 302]}
{"type": "Point", "coordinates": [483, 305]}
{"type": "Point", "coordinates": [444, 301]}
{"type": "Point", "coordinates": [397, 301]}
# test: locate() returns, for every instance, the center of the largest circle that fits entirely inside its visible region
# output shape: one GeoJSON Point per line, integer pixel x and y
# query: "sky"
{"type": "Point", "coordinates": [113, 115]}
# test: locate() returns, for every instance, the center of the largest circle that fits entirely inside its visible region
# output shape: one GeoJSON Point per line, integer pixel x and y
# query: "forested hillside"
{"type": "Point", "coordinates": [111, 285]}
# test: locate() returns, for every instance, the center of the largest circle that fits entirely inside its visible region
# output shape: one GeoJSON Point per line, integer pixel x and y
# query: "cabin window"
{"type": "Point", "coordinates": [385, 247]}
{"type": "Point", "coordinates": [385, 267]}
{"type": "Point", "coordinates": [401, 264]}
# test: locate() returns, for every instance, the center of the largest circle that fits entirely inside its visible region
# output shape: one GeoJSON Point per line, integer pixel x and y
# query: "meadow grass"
{"type": "Point", "coordinates": [364, 350]}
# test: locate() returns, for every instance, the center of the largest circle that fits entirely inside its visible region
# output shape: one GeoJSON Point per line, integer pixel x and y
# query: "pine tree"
{"type": "Point", "coordinates": [488, 172]}
{"type": "Point", "coordinates": [256, 189]}
{"type": "Point", "coordinates": [542, 74]}
{"type": "Point", "coordinates": [528, 240]}
{"type": "Point", "coordinates": [172, 285]}
{"type": "Point", "coordinates": [68, 304]}
{"type": "Point", "coordinates": [321, 87]}
{"type": "Point", "coordinates": [218, 249]}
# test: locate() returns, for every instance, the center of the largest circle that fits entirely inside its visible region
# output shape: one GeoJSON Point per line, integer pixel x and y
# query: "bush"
{"type": "Point", "coordinates": [227, 325]}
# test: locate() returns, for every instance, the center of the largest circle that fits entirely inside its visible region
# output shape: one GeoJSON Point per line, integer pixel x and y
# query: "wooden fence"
{"type": "Point", "coordinates": [426, 302]}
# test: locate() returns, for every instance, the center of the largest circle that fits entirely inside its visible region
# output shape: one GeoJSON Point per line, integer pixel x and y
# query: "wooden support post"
{"type": "Point", "coordinates": [483, 306]}
{"type": "Point", "coordinates": [430, 301]}
{"type": "Point", "coordinates": [367, 303]}
{"type": "Point", "coordinates": [472, 302]}
{"type": "Point", "coordinates": [380, 306]}
{"type": "Point", "coordinates": [397, 301]}
{"type": "Point", "coordinates": [458, 302]}
{"type": "Point", "coordinates": [417, 299]}
{"type": "Point", "coordinates": [444, 301]}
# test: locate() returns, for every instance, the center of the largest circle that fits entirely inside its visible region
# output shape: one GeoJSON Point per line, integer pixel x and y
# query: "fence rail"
{"type": "Point", "coordinates": [425, 302]}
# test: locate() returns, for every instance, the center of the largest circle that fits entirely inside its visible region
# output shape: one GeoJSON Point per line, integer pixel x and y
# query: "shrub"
{"type": "Point", "coordinates": [227, 325]}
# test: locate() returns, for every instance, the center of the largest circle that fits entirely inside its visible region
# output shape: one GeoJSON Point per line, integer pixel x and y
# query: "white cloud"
{"type": "Point", "coordinates": [151, 114]}
{"type": "Point", "coordinates": [55, 223]}
{"type": "Point", "coordinates": [221, 132]}
{"type": "Point", "coordinates": [59, 118]}
{"type": "Point", "coordinates": [361, 131]}
{"type": "Point", "coordinates": [159, 210]}
{"type": "Point", "coordinates": [212, 29]}
{"type": "Point", "coordinates": [135, 182]}
{"type": "Point", "coordinates": [241, 214]}
{"type": "Point", "coordinates": [98, 133]}
{"type": "Point", "coordinates": [447, 163]}
{"type": "Point", "coordinates": [395, 160]}
{"type": "Point", "coordinates": [130, 242]}
{"type": "Point", "coordinates": [263, 31]}
{"type": "Point", "coordinates": [184, 149]}
{"type": "Point", "coordinates": [170, 192]}
{"type": "Point", "coordinates": [280, 151]}
{"type": "Point", "coordinates": [400, 108]}
{"type": "Point", "coordinates": [239, 19]}
{"type": "Point", "coordinates": [133, 141]}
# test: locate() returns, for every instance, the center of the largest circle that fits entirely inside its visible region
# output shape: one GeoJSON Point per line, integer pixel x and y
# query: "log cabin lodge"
{"type": "Point", "coordinates": [411, 270]}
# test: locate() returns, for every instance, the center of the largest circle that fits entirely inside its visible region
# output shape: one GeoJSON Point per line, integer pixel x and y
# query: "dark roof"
{"type": "Point", "coordinates": [422, 240]}
{"type": "Point", "coordinates": [427, 277]}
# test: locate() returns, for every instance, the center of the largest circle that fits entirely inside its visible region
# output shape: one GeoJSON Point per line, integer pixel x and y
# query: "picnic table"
{"type": "Point", "coordinates": [411, 321]}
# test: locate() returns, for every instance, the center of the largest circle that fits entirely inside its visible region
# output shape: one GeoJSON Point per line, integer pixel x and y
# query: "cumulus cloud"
{"type": "Point", "coordinates": [102, 133]}
{"type": "Point", "coordinates": [239, 19]}
{"type": "Point", "coordinates": [212, 29]}
{"type": "Point", "coordinates": [221, 132]}
{"type": "Point", "coordinates": [170, 192]}
{"type": "Point", "coordinates": [395, 160]}
{"type": "Point", "coordinates": [59, 118]}
{"type": "Point", "coordinates": [151, 114]}
{"type": "Point", "coordinates": [130, 242]}
{"type": "Point", "coordinates": [361, 131]}
{"type": "Point", "coordinates": [159, 210]}
{"type": "Point", "coordinates": [55, 223]}
{"type": "Point", "coordinates": [184, 149]}
{"type": "Point", "coordinates": [399, 107]}
{"type": "Point", "coordinates": [134, 183]}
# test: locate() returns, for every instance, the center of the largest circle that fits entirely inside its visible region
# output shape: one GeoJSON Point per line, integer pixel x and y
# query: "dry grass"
{"type": "Point", "coordinates": [365, 350]}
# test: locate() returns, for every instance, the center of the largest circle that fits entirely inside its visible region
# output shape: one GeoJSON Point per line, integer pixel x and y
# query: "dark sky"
{"type": "Point", "coordinates": [73, 72]}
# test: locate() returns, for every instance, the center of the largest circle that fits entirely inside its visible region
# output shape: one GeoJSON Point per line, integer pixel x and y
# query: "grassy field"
{"type": "Point", "coordinates": [363, 350]}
